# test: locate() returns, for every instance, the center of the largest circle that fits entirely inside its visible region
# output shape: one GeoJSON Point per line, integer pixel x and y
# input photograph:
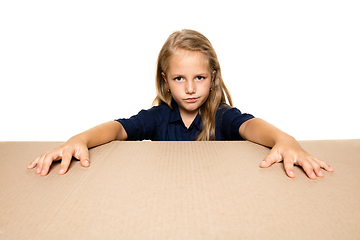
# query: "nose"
{"type": "Point", "coordinates": [190, 87]}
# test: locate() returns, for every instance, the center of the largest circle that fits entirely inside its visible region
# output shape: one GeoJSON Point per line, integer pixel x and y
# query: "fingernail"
{"type": "Point", "coordinates": [61, 171]}
{"type": "Point", "coordinates": [37, 170]}
{"type": "Point", "coordinates": [86, 163]}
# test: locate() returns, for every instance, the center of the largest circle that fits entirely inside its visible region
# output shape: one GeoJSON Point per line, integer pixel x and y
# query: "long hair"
{"type": "Point", "coordinates": [193, 41]}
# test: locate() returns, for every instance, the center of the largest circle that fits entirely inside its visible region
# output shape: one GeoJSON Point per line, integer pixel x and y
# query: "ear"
{"type": "Point", "coordinates": [213, 75]}
{"type": "Point", "coordinates": [164, 77]}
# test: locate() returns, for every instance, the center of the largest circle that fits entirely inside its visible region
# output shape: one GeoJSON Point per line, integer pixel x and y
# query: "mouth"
{"type": "Point", "coordinates": [191, 99]}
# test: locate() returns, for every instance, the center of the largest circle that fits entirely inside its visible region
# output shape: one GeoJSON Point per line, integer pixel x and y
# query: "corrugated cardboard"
{"type": "Point", "coordinates": [179, 190]}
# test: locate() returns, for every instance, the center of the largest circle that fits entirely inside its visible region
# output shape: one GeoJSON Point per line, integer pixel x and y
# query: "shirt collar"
{"type": "Point", "coordinates": [176, 117]}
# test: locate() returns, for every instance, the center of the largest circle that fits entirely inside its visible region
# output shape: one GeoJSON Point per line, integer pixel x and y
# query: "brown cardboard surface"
{"type": "Point", "coordinates": [179, 190]}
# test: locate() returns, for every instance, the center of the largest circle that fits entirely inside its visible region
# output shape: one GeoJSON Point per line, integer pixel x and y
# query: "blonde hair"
{"type": "Point", "coordinates": [193, 41]}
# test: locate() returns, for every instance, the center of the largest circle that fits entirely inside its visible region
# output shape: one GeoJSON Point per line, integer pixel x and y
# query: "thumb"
{"type": "Point", "coordinates": [273, 157]}
{"type": "Point", "coordinates": [83, 155]}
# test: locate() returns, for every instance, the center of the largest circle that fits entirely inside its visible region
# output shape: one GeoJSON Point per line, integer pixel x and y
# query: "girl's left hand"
{"type": "Point", "coordinates": [291, 153]}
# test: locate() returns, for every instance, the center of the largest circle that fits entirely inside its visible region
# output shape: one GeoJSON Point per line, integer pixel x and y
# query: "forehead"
{"type": "Point", "coordinates": [188, 60]}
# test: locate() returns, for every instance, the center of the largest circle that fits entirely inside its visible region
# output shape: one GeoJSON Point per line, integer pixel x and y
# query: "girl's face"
{"type": "Point", "coordinates": [189, 80]}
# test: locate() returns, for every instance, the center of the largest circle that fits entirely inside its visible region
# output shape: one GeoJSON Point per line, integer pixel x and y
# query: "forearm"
{"type": "Point", "coordinates": [101, 134]}
{"type": "Point", "coordinates": [262, 132]}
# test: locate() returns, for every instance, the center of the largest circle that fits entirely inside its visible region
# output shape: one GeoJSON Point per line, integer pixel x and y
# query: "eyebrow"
{"type": "Point", "coordinates": [181, 75]}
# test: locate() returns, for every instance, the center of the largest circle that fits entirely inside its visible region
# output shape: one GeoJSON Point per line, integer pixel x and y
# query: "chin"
{"type": "Point", "coordinates": [192, 109]}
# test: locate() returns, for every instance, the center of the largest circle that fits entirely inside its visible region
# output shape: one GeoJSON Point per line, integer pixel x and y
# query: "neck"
{"type": "Point", "coordinates": [188, 117]}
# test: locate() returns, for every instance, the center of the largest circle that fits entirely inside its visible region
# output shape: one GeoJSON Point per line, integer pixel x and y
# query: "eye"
{"type": "Point", "coordinates": [178, 79]}
{"type": "Point", "coordinates": [199, 78]}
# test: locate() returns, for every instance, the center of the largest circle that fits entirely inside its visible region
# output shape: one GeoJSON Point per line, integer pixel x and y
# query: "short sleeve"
{"type": "Point", "coordinates": [141, 126]}
{"type": "Point", "coordinates": [230, 121]}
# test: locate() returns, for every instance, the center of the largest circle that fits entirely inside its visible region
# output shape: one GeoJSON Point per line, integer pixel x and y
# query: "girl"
{"type": "Point", "coordinates": [193, 103]}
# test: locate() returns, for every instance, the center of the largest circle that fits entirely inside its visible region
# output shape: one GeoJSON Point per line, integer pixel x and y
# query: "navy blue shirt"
{"type": "Point", "coordinates": [161, 123]}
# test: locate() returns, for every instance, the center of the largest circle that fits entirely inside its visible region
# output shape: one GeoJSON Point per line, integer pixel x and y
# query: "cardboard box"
{"type": "Point", "coordinates": [179, 190]}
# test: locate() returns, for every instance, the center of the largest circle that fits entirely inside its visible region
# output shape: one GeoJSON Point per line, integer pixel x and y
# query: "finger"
{"type": "Point", "coordinates": [307, 167]}
{"type": "Point", "coordinates": [44, 170]}
{"type": "Point", "coordinates": [316, 167]}
{"type": "Point", "coordinates": [40, 163]}
{"type": "Point", "coordinates": [83, 156]}
{"type": "Point", "coordinates": [272, 158]}
{"type": "Point", "coordinates": [33, 163]}
{"type": "Point", "coordinates": [46, 163]}
{"type": "Point", "coordinates": [289, 167]}
{"type": "Point", "coordinates": [324, 165]}
{"type": "Point", "coordinates": [65, 162]}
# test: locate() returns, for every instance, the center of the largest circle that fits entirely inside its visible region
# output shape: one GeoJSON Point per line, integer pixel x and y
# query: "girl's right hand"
{"type": "Point", "coordinates": [65, 152]}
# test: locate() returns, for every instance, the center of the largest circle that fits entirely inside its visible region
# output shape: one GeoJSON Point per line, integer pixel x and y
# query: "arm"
{"type": "Point", "coordinates": [284, 148]}
{"type": "Point", "coordinates": [102, 133]}
{"type": "Point", "coordinates": [77, 147]}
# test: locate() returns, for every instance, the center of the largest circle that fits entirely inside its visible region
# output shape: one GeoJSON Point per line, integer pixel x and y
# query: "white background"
{"type": "Point", "coordinates": [68, 65]}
